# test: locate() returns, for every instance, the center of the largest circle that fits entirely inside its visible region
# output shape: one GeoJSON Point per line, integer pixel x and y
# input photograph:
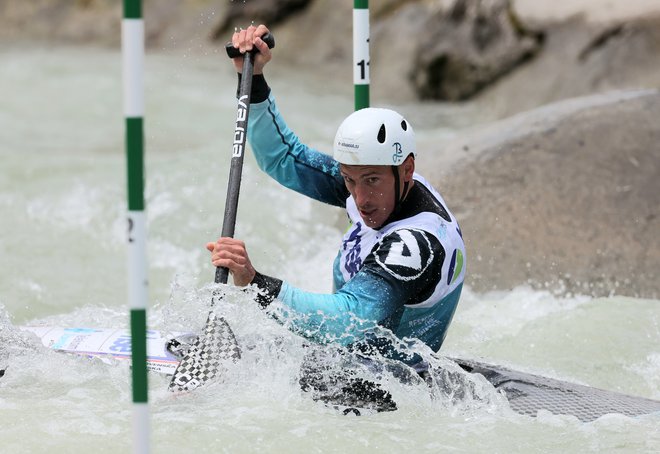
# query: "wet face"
{"type": "Point", "coordinates": [372, 188]}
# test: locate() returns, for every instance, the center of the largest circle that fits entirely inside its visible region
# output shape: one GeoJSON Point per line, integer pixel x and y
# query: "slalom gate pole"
{"type": "Point", "coordinates": [133, 83]}
{"type": "Point", "coordinates": [361, 53]}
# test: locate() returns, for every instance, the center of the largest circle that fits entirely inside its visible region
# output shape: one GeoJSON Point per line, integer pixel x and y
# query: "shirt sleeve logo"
{"type": "Point", "coordinates": [405, 254]}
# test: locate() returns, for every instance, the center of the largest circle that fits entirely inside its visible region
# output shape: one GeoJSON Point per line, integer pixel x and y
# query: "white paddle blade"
{"type": "Point", "coordinates": [202, 362]}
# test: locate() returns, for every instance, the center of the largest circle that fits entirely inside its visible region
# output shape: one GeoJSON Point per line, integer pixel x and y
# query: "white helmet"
{"type": "Point", "coordinates": [374, 136]}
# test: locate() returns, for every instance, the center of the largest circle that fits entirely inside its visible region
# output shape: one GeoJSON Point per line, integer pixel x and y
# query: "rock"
{"type": "Point", "coordinates": [269, 12]}
{"type": "Point", "coordinates": [327, 26]}
{"type": "Point", "coordinates": [433, 49]}
{"type": "Point", "coordinates": [592, 12]}
{"type": "Point", "coordinates": [446, 50]}
{"type": "Point", "coordinates": [168, 23]}
{"type": "Point", "coordinates": [579, 59]}
{"type": "Point", "coordinates": [467, 47]}
{"type": "Point", "coordinates": [59, 21]}
{"type": "Point", "coordinates": [566, 197]}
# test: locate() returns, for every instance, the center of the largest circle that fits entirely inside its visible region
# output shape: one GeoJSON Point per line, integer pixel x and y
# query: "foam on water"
{"type": "Point", "coordinates": [62, 237]}
{"type": "Point", "coordinates": [258, 405]}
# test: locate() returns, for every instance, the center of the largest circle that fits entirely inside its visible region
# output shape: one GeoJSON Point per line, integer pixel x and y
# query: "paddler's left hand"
{"type": "Point", "coordinates": [231, 253]}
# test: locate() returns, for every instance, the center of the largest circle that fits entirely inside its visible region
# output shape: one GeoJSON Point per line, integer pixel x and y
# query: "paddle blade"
{"type": "Point", "coordinates": [203, 360]}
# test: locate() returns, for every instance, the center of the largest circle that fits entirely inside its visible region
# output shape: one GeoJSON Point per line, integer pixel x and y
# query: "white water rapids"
{"type": "Point", "coordinates": [63, 249]}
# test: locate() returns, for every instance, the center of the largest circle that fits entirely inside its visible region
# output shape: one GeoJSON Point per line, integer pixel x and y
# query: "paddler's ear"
{"type": "Point", "coordinates": [408, 168]}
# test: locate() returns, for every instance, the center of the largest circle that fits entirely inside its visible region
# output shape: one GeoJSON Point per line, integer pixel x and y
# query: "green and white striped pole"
{"type": "Point", "coordinates": [361, 53]}
{"type": "Point", "coordinates": [133, 64]}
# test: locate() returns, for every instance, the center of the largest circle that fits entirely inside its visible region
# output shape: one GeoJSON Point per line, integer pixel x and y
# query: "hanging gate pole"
{"type": "Point", "coordinates": [361, 53]}
{"type": "Point", "coordinates": [133, 64]}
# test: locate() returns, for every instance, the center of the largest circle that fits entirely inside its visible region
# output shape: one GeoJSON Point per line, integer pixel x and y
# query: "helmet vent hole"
{"type": "Point", "coordinates": [381, 134]}
{"type": "Point", "coordinates": [404, 125]}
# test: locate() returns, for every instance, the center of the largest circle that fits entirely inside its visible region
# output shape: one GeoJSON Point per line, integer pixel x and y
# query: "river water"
{"type": "Point", "coordinates": [62, 240]}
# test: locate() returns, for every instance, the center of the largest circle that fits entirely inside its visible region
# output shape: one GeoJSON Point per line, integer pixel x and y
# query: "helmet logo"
{"type": "Point", "coordinates": [397, 157]}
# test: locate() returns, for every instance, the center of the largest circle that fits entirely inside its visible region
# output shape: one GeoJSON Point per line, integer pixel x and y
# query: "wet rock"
{"type": "Point", "coordinates": [566, 196]}
{"type": "Point", "coordinates": [469, 46]}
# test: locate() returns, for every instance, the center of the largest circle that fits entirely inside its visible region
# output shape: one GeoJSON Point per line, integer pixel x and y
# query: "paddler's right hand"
{"type": "Point", "coordinates": [232, 254]}
{"type": "Point", "coordinates": [245, 40]}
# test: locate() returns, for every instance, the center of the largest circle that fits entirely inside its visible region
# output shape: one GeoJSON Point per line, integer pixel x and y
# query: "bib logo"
{"type": "Point", "coordinates": [352, 260]}
{"type": "Point", "coordinates": [405, 254]}
{"type": "Point", "coordinates": [239, 132]}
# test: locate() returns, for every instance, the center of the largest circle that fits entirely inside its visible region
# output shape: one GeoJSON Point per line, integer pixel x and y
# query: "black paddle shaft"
{"type": "Point", "coordinates": [238, 146]}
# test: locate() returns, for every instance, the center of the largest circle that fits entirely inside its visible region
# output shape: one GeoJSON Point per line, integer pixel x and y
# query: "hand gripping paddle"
{"type": "Point", "coordinates": [217, 343]}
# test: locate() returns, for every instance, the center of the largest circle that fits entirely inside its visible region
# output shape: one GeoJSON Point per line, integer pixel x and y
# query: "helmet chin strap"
{"type": "Point", "coordinates": [397, 188]}
{"type": "Point", "coordinates": [398, 197]}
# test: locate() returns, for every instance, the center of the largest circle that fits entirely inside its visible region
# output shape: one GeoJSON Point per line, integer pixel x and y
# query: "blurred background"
{"type": "Point", "coordinates": [549, 153]}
